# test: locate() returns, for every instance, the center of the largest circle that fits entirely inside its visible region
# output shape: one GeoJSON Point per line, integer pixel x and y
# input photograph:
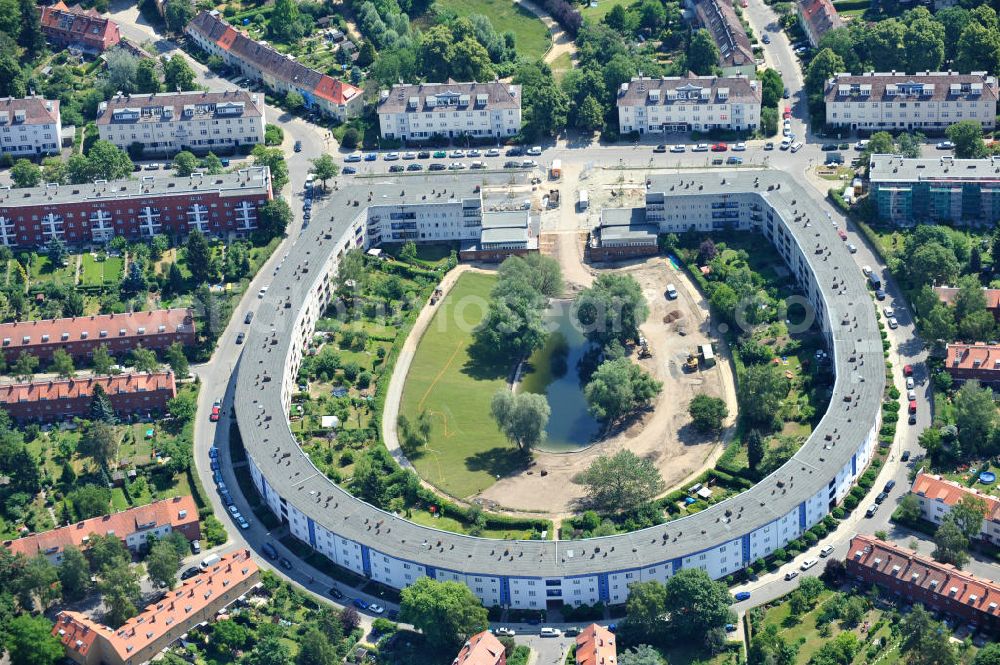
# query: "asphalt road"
{"type": "Point", "coordinates": [217, 374]}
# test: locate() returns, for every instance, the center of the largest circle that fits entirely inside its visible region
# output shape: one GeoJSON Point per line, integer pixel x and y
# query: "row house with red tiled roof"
{"type": "Point", "coordinates": [595, 645]}
{"type": "Point", "coordinates": [937, 586]}
{"type": "Point", "coordinates": [939, 495]}
{"type": "Point", "coordinates": [967, 362]}
{"type": "Point", "coordinates": [80, 336]}
{"type": "Point", "coordinates": [137, 209]}
{"type": "Point", "coordinates": [133, 526]}
{"type": "Point", "coordinates": [63, 399]}
{"type": "Point", "coordinates": [142, 637]}
{"type": "Point", "coordinates": [947, 295]}
{"type": "Point", "coordinates": [481, 649]}
{"type": "Point", "coordinates": [817, 17]}
{"type": "Point", "coordinates": [75, 27]}
{"type": "Point", "coordinates": [279, 72]}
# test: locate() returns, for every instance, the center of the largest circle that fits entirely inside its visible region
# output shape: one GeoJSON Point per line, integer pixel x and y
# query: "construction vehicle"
{"type": "Point", "coordinates": [691, 365]}
{"type": "Point", "coordinates": [644, 351]}
{"type": "Point", "coordinates": [553, 198]}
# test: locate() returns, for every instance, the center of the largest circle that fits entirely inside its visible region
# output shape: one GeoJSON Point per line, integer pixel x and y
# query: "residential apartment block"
{"type": "Point", "coordinates": [141, 638]}
{"type": "Point", "coordinates": [481, 649]}
{"type": "Point", "coordinates": [30, 126]}
{"type": "Point", "coordinates": [595, 645]}
{"type": "Point", "coordinates": [64, 399]}
{"type": "Point", "coordinates": [898, 101]}
{"type": "Point", "coordinates": [502, 235]}
{"type": "Point", "coordinates": [78, 28]}
{"type": "Point", "coordinates": [939, 189]}
{"type": "Point", "coordinates": [80, 336]}
{"type": "Point", "coordinates": [735, 53]}
{"type": "Point", "coordinates": [166, 123]}
{"type": "Point", "coordinates": [939, 495]}
{"type": "Point", "coordinates": [137, 209]}
{"type": "Point", "coordinates": [478, 110]}
{"type": "Point", "coordinates": [967, 362]}
{"type": "Point", "coordinates": [690, 103]}
{"type": "Point", "coordinates": [937, 586]}
{"type": "Point", "coordinates": [278, 72]}
{"type": "Point", "coordinates": [817, 17]}
{"type": "Point", "coordinates": [623, 233]}
{"type": "Point", "coordinates": [133, 526]}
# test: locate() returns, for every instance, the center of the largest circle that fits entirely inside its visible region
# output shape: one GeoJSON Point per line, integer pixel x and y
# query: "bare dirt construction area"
{"type": "Point", "coordinates": [663, 433]}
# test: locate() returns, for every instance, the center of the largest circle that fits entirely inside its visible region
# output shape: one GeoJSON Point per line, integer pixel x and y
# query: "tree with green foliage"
{"type": "Point", "coordinates": [988, 655]}
{"type": "Point", "coordinates": [269, 651]}
{"type": "Point", "coordinates": [29, 641]}
{"type": "Point", "coordinates": [772, 87]}
{"type": "Point", "coordinates": [446, 612]}
{"type": "Point", "coordinates": [144, 360]}
{"type": "Point", "coordinates": [909, 510]}
{"type": "Point", "coordinates": [823, 66]}
{"type": "Point", "coordinates": [541, 272]}
{"type": "Point", "coordinates": [925, 641]}
{"type": "Point", "coordinates": [707, 412]}
{"type": "Point", "coordinates": [100, 441]}
{"type": "Point", "coordinates": [25, 173]}
{"type": "Point", "coordinates": [38, 580]}
{"type": "Point", "coordinates": [977, 48]}
{"type": "Point", "coordinates": [229, 636]}
{"type": "Point", "coordinates": [409, 252]}
{"type": "Point", "coordinates": [967, 135]}
{"type": "Point", "coordinates": [274, 159]}
{"type": "Point", "coordinates": [107, 550]}
{"type": "Point", "coordinates": [185, 163]}
{"type": "Point", "coordinates": [74, 574]}
{"type": "Point", "coordinates": [975, 416]}
{"type": "Point", "coordinates": [642, 654]}
{"type": "Point", "coordinates": [177, 359]}
{"type": "Point", "coordinates": [521, 417]}
{"type": "Point", "coordinates": [769, 647]}
{"type": "Point", "coordinates": [645, 611]}
{"type": "Point", "coordinates": [316, 649]}
{"type": "Point", "coordinates": [162, 563]}
{"type": "Point", "coordinates": [178, 13]}
{"type": "Point", "coordinates": [620, 482]}
{"type": "Point", "coordinates": [696, 603]}
{"type": "Point", "coordinates": [545, 105]}
{"type": "Point", "coordinates": [101, 361]}
{"type": "Point", "coordinates": [62, 364]}
{"type": "Point", "coordinates": [951, 544]}
{"type": "Point", "coordinates": [968, 515]}
{"type": "Point", "coordinates": [760, 390]}
{"type": "Point", "coordinates": [106, 161]}
{"type": "Point", "coordinates": [213, 531]}
{"type": "Point", "coordinates": [756, 449]}
{"type": "Point", "coordinates": [702, 53]}
{"type": "Point", "coordinates": [325, 168]}
{"type": "Point", "coordinates": [25, 366]}
{"type": "Point", "coordinates": [120, 591]}
{"type": "Point", "coordinates": [618, 388]}
{"type": "Point", "coordinates": [286, 23]}
{"type": "Point", "coordinates": [294, 100]}
{"type": "Point", "coordinates": [924, 45]}
{"type": "Point", "coordinates": [198, 257]}
{"type": "Point", "coordinates": [177, 73]}
{"type": "Point", "coordinates": [612, 308]}
{"type": "Point", "coordinates": [273, 217]}
{"type": "Point", "coordinates": [147, 77]}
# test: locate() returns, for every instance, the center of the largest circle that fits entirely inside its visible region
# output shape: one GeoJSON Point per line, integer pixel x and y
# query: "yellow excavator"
{"type": "Point", "coordinates": [691, 365]}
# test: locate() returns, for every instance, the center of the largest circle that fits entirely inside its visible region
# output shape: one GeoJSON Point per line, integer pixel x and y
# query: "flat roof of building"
{"type": "Point", "coordinates": [896, 168]}
{"type": "Point", "coordinates": [248, 181]}
{"type": "Point", "coordinates": [626, 224]}
{"type": "Point", "coordinates": [850, 418]}
{"type": "Point", "coordinates": [176, 512]}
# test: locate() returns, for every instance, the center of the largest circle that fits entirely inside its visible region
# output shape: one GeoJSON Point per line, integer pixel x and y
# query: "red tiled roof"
{"type": "Point", "coordinates": [78, 632]}
{"type": "Point", "coordinates": [949, 492]}
{"type": "Point", "coordinates": [821, 15]}
{"type": "Point", "coordinates": [176, 512]}
{"type": "Point", "coordinates": [980, 357]}
{"type": "Point", "coordinates": [915, 571]}
{"type": "Point", "coordinates": [37, 111]}
{"type": "Point", "coordinates": [335, 91]}
{"type": "Point", "coordinates": [87, 26]}
{"type": "Point", "coordinates": [55, 389]}
{"type": "Point", "coordinates": [90, 327]}
{"type": "Point", "coordinates": [946, 294]}
{"type": "Point", "coordinates": [481, 649]}
{"type": "Point", "coordinates": [595, 645]}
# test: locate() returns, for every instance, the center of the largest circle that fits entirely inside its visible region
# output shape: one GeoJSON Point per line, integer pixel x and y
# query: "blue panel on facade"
{"type": "Point", "coordinates": [431, 572]}
{"type": "Point", "coordinates": [312, 532]}
{"type": "Point", "coordinates": [676, 565]}
{"type": "Point", "coordinates": [603, 590]}
{"type": "Point", "coordinates": [802, 515]}
{"type": "Point", "coordinates": [854, 464]}
{"type": "Point", "coordinates": [366, 560]}
{"type": "Point", "coordinates": [746, 548]}
{"type": "Point", "coordinates": [504, 591]}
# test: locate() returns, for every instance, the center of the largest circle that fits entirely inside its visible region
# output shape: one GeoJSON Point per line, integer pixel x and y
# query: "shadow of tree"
{"type": "Point", "coordinates": [497, 461]}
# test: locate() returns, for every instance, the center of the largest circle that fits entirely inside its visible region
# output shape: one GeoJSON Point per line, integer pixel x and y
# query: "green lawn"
{"type": "Point", "coordinates": [43, 272]}
{"type": "Point", "coordinates": [466, 450]}
{"type": "Point", "coordinates": [96, 273]}
{"type": "Point", "coordinates": [532, 36]}
{"type": "Point", "coordinates": [603, 8]}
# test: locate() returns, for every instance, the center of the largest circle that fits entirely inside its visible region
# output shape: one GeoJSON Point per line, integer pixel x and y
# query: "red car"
{"type": "Point", "coordinates": [215, 414]}
{"type": "Point", "coordinates": [842, 233]}
{"type": "Point", "coordinates": [720, 147]}
{"type": "Point", "coordinates": [907, 370]}
{"type": "Point", "coordinates": [788, 112]}
{"type": "Point", "coordinates": [913, 406]}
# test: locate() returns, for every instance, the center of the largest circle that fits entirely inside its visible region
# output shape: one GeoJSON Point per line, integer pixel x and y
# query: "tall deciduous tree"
{"type": "Point", "coordinates": [446, 612]}
{"type": "Point", "coordinates": [696, 603]}
{"type": "Point", "coordinates": [30, 641]}
{"type": "Point", "coordinates": [967, 135]}
{"type": "Point", "coordinates": [613, 308]}
{"type": "Point", "coordinates": [119, 586]}
{"type": "Point", "coordinates": [24, 173]}
{"type": "Point", "coordinates": [621, 482]}
{"type": "Point", "coordinates": [163, 562]}
{"type": "Point", "coordinates": [618, 388]}
{"type": "Point", "coordinates": [707, 412]}
{"type": "Point", "coordinates": [522, 417]}
{"type": "Point", "coordinates": [177, 73]}
{"type": "Point", "coordinates": [702, 53]}
{"type": "Point", "coordinates": [325, 168]}
{"type": "Point", "coordinates": [74, 574]}
{"type": "Point", "coordinates": [101, 442]}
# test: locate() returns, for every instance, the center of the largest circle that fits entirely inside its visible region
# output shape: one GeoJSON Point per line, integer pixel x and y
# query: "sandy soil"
{"type": "Point", "coordinates": [663, 433]}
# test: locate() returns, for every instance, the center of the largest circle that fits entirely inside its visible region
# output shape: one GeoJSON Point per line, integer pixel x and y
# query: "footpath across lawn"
{"type": "Point", "coordinates": [466, 450]}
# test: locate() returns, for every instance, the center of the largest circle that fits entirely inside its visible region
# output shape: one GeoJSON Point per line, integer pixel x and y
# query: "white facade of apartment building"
{"type": "Point", "coordinates": [683, 104]}
{"type": "Point", "coordinates": [478, 110]}
{"type": "Point", "coordinates": [29, 126]}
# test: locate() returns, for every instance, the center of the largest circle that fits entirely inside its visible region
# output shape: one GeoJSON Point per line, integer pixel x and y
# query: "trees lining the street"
{"type": "Point", "coordinates": [446, 612]}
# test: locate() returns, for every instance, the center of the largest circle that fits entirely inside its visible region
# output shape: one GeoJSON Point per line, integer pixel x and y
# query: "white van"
{"type": "Point", "coordinates": [671, 292]}
{"type": "Point", "coordinates": [826, 551]}
{"type": "Point", "coordinates": [786, 143]}
{"type": "Point", "coordinates": [210, 561]}
{"type": "Point", "coordinates": [796, 146]}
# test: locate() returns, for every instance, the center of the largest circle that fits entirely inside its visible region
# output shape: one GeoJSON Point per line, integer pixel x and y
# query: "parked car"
{"type": "Point", "coordinates": [396, 168]}
{"type": "Point", "coordinates": [882, 496]}
{"type": "Point", "coordinates": [440, 154]}
{"type": "Point", "coordinates": [415, 167]}
{"type": "Point", "coordinates": [828, 147]}
{"type": "Point", "coordinates": [196, 547]}
{"type": "Point", "coordinates": [424, 154]}
{"type": "Point", "coordinates": [826, 551]}
{"type": "Point", "coordinates": [677, 148]}
{"type": "Point", "coordinates": [791, 575]}
{"type": "Point", "coordinates": [216, 413]}
{"type": "Point", "coordinates": [572, 631]}
{"type": "Point", "coordinates": [808, 563]}
{"type": "Point", "coordinates": [701, 147]}
{"type": "Point", "coordinates": [786, 93]}
{"type": "Point", "coordinates": [190, 572]}
{"type": "Point", "coordinates": [945, 145]}
{"type": "Point", "coordinates": [269, 551]}
{"type": "Point", "coordinates": [505, 632]}
{"type": "Point", "coordinates": [457, 153]}
{"type": "Point", "coordinates": [240, 337]}
{"type": "Point", "coordinates": [907, 370]}
{"type": "Point", "coordinates": [550, 632]}
{"type": "Point", "coordinates": [872, 509]}
{"type": "Point", "coordinates": [493, 152]}
{"type": "Point", "coordinates": [910, 383]}
{"type": "Point", "coordinates": [436, 166]}
{"type": "Point", "coordinates": [353, 157]}
{"type": "Point", "coordinates": [242, 521]}
{"type": "Point", "coordinates": [905, 457]}
{"type": "Point", "coordinates": [730, 627]}
{"type": "Point", "coordinates": [391, 156]}
{"type": "Point", "coordinates": [457, 166]}
{"type": "Point", "coordinates": [336, 593]}
{"type": "Point", "coordinates": [473, 153]}
{"type": "Point", "coordinates": [720, 147]}
{"type": "Point", "coordinates": [360, 604]}
{"type": "Point", "coordinates": [769, 145]}
{"type": "Point", "coordinates": [892, 322]}
{"type": "Point", "coordinates": [740, 596]}
{"type": "Point", "coordinates": [889, 485]}
{"type": "Point", "coordinates": [766, 39]}
{"type": "Point", "coordinates": [375, 608]}
{"type": "Point", "coordinates": [660, 148]}
{"type": "Point", "coordinates": [734, 160]}
{"type": "Point", "coordinates": [515, 152]}
{"type": "Point", "coordinates": [534, 151]}
{"type": "Point", "coordinates": [409, 155]}
{"type": "Point", "coordinates": [348, 170]}
{"type": "Point", "coordinates": [740, 147]}
{"type": "Point", "coordinates": [285, 563]}
{"type": "Point", "coordinates": [298, 146]}
{"type": "Point", "coordinates": [852, 248]}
